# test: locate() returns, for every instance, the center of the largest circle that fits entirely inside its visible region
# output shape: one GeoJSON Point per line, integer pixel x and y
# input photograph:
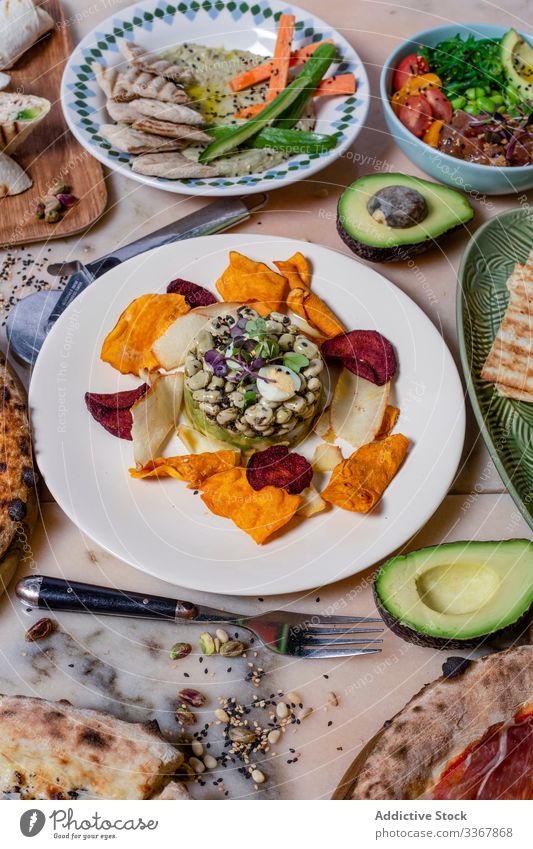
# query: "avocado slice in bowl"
{"type": "Point", "coordinates": [457, 595]}
{"type": "Point", "coordinates": [393, 217]}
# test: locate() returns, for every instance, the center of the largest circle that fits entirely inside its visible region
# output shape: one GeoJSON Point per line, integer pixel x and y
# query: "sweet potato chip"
{"type": "Point", "coordinates": [249, 282]}
{"type": "Point", "coordinates": [309, 306]}
{"type": "Point", "coordinates": [193, 468]}
{"type": "Point", "coordinates": [259, 513]}
{"type": "Point", "coordinates": [296, 270]}
{"type": "Point", "coordinates": [358, 483]}
{"type": "Point", "coordinates": [390, 417]}
{"type": "Point", "coordinates": [128, 346]}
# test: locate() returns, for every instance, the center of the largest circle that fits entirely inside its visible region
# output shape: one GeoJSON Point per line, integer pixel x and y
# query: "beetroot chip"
{"type": "Point", "coordinates": [364, 352]}
{"type": "Point", "coordinates": [195, 295]}
{"type": "Point", "coordinates": [112, 410]}
{"type": "Point", "coordinates": [277, 466]}
{"type": "Point", "coordinates": [117, 400]}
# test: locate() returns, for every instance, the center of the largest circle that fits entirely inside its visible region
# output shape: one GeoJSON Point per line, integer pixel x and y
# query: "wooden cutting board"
{"type": "Point", "coordinates": [51, 152]}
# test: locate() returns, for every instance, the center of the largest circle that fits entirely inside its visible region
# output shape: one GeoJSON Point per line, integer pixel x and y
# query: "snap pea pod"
{"type": "Point", "coordinates": [278, 138]}
{"type": "Point", "coordinates": [306, 81]}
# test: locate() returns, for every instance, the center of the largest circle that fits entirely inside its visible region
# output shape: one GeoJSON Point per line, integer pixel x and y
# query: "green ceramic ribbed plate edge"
{"type": "Point", "coordinates": [482, 296]}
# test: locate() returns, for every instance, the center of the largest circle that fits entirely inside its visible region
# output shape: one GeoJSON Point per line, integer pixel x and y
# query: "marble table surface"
{"type": "Point", "coordinates": [123, 665]}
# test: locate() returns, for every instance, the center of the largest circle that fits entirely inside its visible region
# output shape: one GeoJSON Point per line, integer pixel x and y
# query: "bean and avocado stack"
{"type": "Point", "coordinates": [459, 594]}
{"type": "Point", "coordinates": [394, 217]}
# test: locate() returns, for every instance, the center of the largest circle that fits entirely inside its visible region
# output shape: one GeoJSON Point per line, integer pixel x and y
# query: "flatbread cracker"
{"type": "Point", "coordinates": [510, 360]}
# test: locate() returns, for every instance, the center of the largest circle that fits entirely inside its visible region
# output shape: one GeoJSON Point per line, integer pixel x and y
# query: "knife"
{"type": "Point", "coordinates": [31, 319]}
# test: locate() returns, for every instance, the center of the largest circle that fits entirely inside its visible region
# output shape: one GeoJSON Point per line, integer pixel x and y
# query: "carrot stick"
{"type": "Point", "coordinates": [342, 84]}
{"type": "Point", "coordinates": [262, 72]}
{"type": "Point", "coordinates": [282, 56]}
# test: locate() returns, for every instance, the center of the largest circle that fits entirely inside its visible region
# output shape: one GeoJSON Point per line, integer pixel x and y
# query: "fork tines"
{"type": "Point", "coordinates": [338, 636]}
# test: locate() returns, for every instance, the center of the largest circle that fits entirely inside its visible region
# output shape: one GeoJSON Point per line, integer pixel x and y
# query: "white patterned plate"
{"type": "Point", "coordinates": [157, 26]}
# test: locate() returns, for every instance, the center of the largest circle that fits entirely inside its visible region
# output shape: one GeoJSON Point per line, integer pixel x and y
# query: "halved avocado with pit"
{"type": "Point", "coordinates": [459, 594]}
{"type": "Point", "coordinates": [393, 217]}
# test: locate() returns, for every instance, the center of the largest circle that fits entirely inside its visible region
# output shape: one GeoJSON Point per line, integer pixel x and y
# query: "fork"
{"type": "Point", "coordinates": [285, 633]}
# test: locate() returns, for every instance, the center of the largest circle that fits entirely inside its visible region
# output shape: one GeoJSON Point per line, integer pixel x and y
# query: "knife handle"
{"type": "Point", "coordinates": [76, 283]}
{"type": "Point", "coordinates": [56, 594]}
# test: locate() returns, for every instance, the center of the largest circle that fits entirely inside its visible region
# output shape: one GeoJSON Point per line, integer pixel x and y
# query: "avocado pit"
{"type": "Point", "coordinates": [398, 206]}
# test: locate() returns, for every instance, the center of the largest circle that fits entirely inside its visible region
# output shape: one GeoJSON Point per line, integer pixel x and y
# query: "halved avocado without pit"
{"type": "Point", "coordinates": [459, 594]}
{"type": "Point", "coordinates": [394, 217]}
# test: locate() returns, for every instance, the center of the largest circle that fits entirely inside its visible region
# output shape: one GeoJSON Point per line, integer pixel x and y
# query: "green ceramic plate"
{"type": "Point", "coordinates": [506, 425]}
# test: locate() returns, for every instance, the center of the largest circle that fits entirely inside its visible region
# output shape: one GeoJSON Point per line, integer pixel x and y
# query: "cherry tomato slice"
{"type": "Point", "coordinates": [416, 115]}
{"type": "Point", "coordinates": [440, 105]}
{"type": "Point", "coordinates": [412, 66]}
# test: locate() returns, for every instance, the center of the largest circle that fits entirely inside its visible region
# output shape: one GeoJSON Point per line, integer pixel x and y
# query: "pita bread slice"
{"type": "Point", "coordinates": [136, 83]}
{"type": "Point", "coordinates": [123, 137]}
{"type": "Point", "coordinates": [173, 112]}
{"type": "Point", "coordinates": [13, 179]}
{"type": "Point", "coordinates": [107, 78]}
{"type": "Point", "coordinates": [173, 166]}
{"type": "Point", "coordinates": [20, 114]}
{"type": "Point", "coordinates": [51, 750]}
{"type": "Point", "coordinates": [510, 360]}
{"type": "Point", "coordinates": [156, 65]}
{"type": "Point", "coordinates": [21, 25]}
{"type": "Point", "coordinates": [125, 113]}
{"type": "Point", "coordinates": [172, 131]}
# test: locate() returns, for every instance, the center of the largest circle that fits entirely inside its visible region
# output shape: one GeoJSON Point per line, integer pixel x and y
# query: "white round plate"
{"type": "Point", "coordinates": [158, 26]}
{"type": "Point", "coordinates": [160, 526]}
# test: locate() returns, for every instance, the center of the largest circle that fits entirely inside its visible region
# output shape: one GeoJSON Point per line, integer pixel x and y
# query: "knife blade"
{"type": "Point", "coordinates": [31, 319]}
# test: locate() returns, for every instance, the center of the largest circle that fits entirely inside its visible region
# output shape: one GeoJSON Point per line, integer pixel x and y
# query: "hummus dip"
{"type": "Point", "coordinates": [212, 96]}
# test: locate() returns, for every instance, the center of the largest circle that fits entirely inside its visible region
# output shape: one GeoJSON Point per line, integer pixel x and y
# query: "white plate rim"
{"type": "Point", "coordinates": [298, 583]}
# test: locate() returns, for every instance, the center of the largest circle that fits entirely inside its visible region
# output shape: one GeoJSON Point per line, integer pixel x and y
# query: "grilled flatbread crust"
{"type": "Point", "coordinates": [510, 360]}
{"type": "Point", "coordinates": [18, 501]}
{"type": "Point", "coordinates": [51, 750]}
{"type": "Point", "coordinates": [406, 758]}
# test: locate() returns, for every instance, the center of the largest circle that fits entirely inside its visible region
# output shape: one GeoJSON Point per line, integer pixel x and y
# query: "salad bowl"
{"type": "Point", "coordinates": [463, 175]}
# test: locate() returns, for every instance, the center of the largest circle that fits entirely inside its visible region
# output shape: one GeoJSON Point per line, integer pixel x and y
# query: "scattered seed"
{"type": "Point", "coordinates": [207, 643]}
{"type": "Point", "coordinates": [39, 630]}
{"type": "Point", "coordinates": [180, 650]}
{"type": "Point", "coordinates": [217, 645]}
{"type": "Point", "coordinates": [222, 635]}
{"type": "Point", "coordinates": [241, 735]}
{"type": "Point", "coordinates": [273, 736]}
{"type": "Point", "coordinates": [197, 765]}
{"type": "Point", "coordinates": [197, 748]}
{"type": "Point", "coordinates": [282, 710]}
{"type": "Point", "coordinates": [232, 648]}
{"type": "Point", "coordinates": [258, 776]}
{"type": "Point", "coordinates": [332, 700]}
{"type": "Point", "coordinates": [221, 715]}
{"type": "Point", "coordinates": [294, 698]}
{"type": "Point", "coordinates": [192, 697]}
{"type": "Point", "coordinates": [185, 716]}
{"type": "Point", "coordinates": [210, 762]}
